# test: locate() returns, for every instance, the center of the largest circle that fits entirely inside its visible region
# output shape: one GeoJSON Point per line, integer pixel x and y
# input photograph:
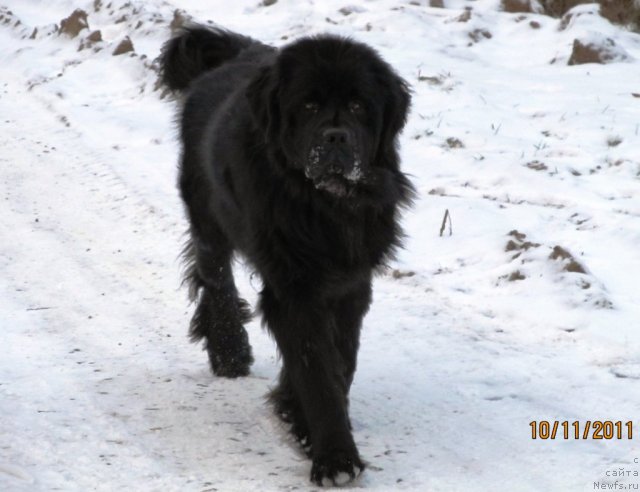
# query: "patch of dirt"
{"type": "Point", "coordinates": [125, 46]}
{"type": "Point", "coordinates": [444, 80]}
{"type": "Point", "coordinates": [537, 166]}
{"type": "Point", "coordinates": [454, 143]}
{"type": "Point", "coordinates": [180, 18]}
{"type": "Point", "coordinates": [478, 35]}
{"type": "Point", "coordinates": [75, 23]}
{"type": "Point", "coordinates": [402, 273]}
{"type": "Point", "coordinates": [8, 18]}
{"type": "Point", "coordinates": [516, 6]}
{"type": "Point", "coordinates": [600, 51]}
{"type": "Point", "coordinates": [90, 40]}
{"type": "Point", "coordinates": [518, 235]}
{"type": "Point", "coordinates": [557, 8]}
{"type": "Point", "coordinates": [95, 36]}
{"type": "Point", "coordinates": [569, 17]}
{"type": "Point", "coordinates": [519, 244]}
{"type": "Point", "coordinates": [625, 12]}
{"type": "Point", "coordinates": [515, 276]}
{"type": "Point", "coordinates": [464, 17]}
{"type": "Point", "coordinates": [435, 80]}
{"type": "Point", "coordinates": [570, 263]}
{"type": "Point", "coordinates": [438, 192]}
{"type": "Point", "coordinates": [425, 133]}
{"type": "Point", "coordinates": [603, 303]}
{"type": "Point", "coordinates": [531, 264]}
{"type": "Point", "coordinates": [614, 141]}
{"type": "Point", "coordinates": [582, 222]}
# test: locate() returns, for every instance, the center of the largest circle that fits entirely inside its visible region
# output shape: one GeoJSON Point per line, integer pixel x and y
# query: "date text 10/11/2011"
{"type": "Point", "coordinates": [589, 429]}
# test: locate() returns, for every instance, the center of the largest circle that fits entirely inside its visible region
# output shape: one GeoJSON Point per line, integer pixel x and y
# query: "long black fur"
{"type": "Point", "coordinates": [247, 189]}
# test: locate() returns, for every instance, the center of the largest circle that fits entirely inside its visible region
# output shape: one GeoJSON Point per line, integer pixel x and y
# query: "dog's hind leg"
{"type": "Point", "coordinates": [220, 313]}
{"type": "Point", "coordinates": [288, 409]}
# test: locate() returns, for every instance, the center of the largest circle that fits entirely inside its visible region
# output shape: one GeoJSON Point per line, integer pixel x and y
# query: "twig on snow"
{"type": "Point", "coordinates": [447, 215]}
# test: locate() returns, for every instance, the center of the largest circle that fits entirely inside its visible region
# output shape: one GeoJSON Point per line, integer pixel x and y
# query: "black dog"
{"type": "Point", "coordinates": [289, 159]}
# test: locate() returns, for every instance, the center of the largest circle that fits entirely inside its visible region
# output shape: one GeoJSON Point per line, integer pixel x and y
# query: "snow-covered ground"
{"type": "Point", "coordinates": [528, 310]}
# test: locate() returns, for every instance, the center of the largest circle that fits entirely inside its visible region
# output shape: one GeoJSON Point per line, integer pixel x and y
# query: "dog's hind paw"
{"type": "Point", "coordinates": [231, 366]}
{"type": "Point", "coordinates": [336, 469]}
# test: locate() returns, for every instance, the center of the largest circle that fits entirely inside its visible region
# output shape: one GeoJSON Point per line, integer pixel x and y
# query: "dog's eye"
{"type": "Point", "coordinates": [311, 107]}
{"type": "Point", "coordinates": [356, 107]}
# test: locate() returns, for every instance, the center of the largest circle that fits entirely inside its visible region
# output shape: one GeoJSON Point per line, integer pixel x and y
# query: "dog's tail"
{"type": "Point", "coordinates": [195, 50]}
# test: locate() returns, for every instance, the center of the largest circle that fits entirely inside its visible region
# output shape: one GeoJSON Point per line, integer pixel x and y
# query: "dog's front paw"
{"type": "Point", "coordinates": [336, 469]}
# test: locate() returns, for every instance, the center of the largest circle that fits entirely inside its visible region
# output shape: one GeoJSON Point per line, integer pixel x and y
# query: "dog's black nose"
{"type": "Point", "coordinates": [336, 136]}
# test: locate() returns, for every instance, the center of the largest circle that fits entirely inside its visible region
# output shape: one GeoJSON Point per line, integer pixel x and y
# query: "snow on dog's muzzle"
{"type": "Point", "coordinates": [333, 169]}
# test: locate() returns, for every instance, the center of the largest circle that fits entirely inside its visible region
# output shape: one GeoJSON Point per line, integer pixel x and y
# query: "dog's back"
{"type": "Point", "coordinates": [209, 67]}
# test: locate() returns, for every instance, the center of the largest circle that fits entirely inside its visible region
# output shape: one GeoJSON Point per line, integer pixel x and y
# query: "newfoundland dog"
{"type": "Point", "coordinates": [289, 159]}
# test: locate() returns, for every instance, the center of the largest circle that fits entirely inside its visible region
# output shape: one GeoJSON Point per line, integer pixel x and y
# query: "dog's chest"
{"type": "Point", "coordinates": [348, 244]}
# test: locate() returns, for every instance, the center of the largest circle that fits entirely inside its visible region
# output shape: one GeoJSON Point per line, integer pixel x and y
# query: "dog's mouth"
{"type": "Point", "coordinates": [337, 175]}
{"type": "Point", "coordinates": [334, 184]}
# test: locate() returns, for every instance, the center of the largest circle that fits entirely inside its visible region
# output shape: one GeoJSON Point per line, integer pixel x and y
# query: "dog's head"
{"type": "Point", "coordinates": [333, 108]}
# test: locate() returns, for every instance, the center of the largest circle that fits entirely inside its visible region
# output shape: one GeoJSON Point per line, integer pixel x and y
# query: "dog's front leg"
{"type": "Point", "coordinates": [304, 330]}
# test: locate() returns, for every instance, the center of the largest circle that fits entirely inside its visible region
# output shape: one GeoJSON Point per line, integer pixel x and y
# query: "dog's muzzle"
{"type": "Point", "coordinates": [333, 164]}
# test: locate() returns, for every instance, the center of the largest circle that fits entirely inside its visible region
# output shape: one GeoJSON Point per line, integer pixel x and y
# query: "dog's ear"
{"type": "Point", "coordinates": [262, 94]}
{"type": "Point", "coordinates": [397, 101]}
